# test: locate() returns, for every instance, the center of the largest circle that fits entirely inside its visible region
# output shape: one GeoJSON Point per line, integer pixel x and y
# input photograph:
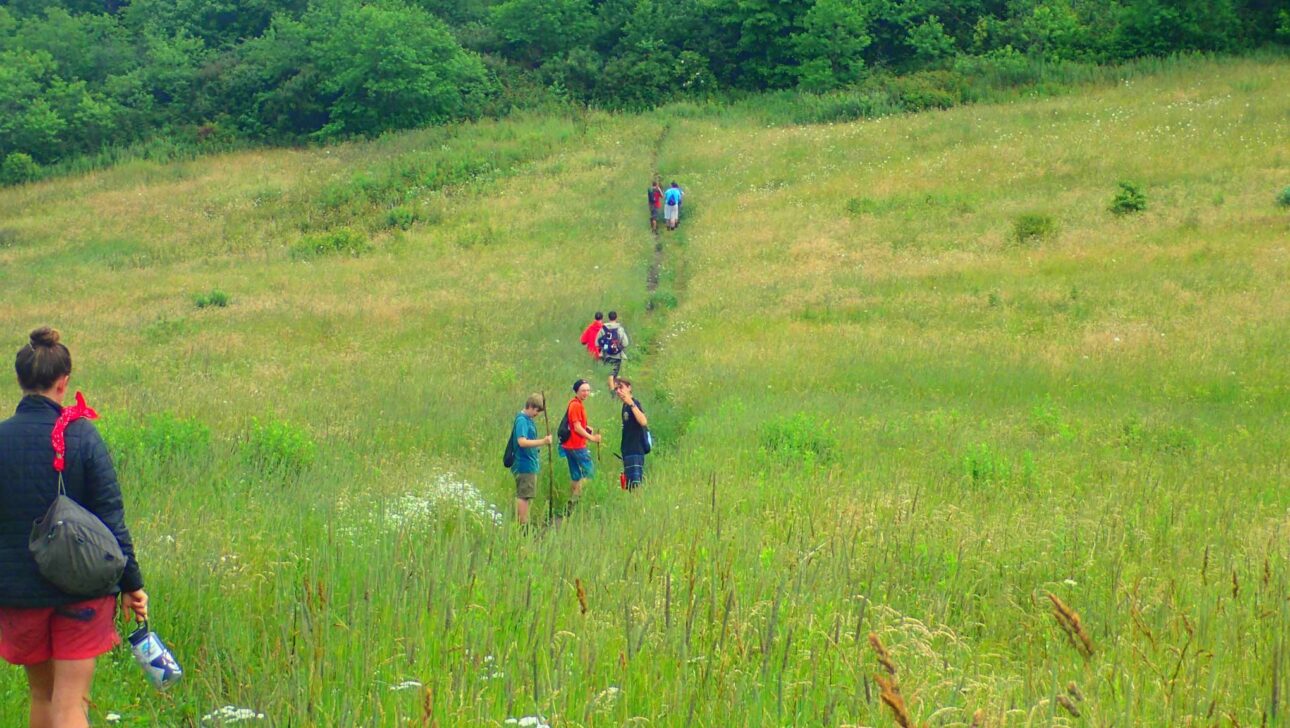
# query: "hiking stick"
{"type": "Point", "coordinates": [550, 454]}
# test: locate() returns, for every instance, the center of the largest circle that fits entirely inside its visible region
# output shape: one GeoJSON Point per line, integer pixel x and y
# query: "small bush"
{"type": "Point", "coordinates": [661, 299]}
{"type": "Point", "coordinates": [1033, 227]}
{"type": "Point", "coordinates": [278, 446]}
{"type": "Point", "coordinates": [1284, 198]}
{"type": "Point", "coordinates": [216, 298]}
{"type": "Point", "coordinates": [799, 439]}
{"type": "Point", "coordinates": [926, 90]}
{"type": "Point", "coordinates": [401, 218]}
{"type": "Point", "coordinates": [346, 241]}
{"type": "Point", "coordinates": [983, 466]}
{"type": "Point", "coordinates": [857, 206]}
{"type": "Point", "coordinates": [18, 168]}
{"type": "Point", "coordinates": [1129, 199]}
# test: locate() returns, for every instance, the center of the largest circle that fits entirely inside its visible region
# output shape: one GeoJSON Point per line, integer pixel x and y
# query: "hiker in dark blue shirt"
{"type": "Point", "coordinates": [636, 442]}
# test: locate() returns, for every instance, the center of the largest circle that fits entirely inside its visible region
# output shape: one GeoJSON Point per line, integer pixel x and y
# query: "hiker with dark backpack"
{"type": "Point", "coordinates": [574, 433]}
{"type": "Point", "coordinates": [636, 442]}
{"type": "Point", "coordinates": [56, 607]}
{"type": "Point", "coordinates": [613, 343]}
{"type": "Point", "coordinates": [522, 455]}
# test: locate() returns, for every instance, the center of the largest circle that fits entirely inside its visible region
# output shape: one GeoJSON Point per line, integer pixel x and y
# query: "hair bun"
{"type": "Point", "coordinates": [44, 336]}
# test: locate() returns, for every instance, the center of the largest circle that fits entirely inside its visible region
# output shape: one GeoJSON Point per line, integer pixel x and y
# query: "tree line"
{"type": "Point", "coordinates": [79, 76]}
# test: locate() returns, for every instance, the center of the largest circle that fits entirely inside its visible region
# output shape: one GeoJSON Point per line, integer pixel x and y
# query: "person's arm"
{"type": "Point", "coordinates": [638, 413]}
{"type": "Point", "coordinates": [103, 499]}
{"type": "Point", "coordinates": [587, 433]}
{"type": "Point", "coordinates": [622, 334]}
{"type": "Point", "coordinates": [525, 442]}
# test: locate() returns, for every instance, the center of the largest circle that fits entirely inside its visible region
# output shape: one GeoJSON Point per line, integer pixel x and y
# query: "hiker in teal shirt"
{"type": "Point", "coordinates": [526, 463]}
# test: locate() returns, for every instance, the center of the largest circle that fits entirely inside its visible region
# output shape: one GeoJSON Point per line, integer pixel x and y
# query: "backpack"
{"type": "Point", "coordinates": [609, 343]}
{"type": "Point", "coordinates": [72, 548]}
{"type": "Point", "coordinates": [508, 457]}
{"type": "Point", "coordinates": [564, 432]}
{"type": "Point", "coordinates": [647, 442]}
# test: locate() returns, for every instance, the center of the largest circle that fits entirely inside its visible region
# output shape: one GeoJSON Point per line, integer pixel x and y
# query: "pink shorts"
{"type": "Point", "coordinates": [80, 631]}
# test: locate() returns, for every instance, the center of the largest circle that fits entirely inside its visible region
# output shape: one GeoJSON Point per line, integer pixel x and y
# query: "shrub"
{"type": "Point", "coordinates": [216, 298]}
{"type": "Point", "coordinates": [18, 168]}
{"type": "Point", "coordinates": [1284, 198]}
{"type": "Point", "coordinates": [927, 90]}
{"type": "Point", "coordinates": [340, 241]}
{"type": "Point", "coordinates": [1129, 199]}
{"type": "Point", "coordinates": [278, 446]}
{"type": "Point", "coordinates": [982, 465]}
{"type": "Point", "coordinates": [661, 299]}
{"type": "Point", "coordinates": [799, 438]}
{"type": "Point", "coordinates": [1033, 227]}
{"type": "Point", "coordinates": [401, 218]}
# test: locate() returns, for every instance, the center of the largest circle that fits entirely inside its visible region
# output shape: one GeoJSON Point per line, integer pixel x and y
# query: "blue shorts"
{"type": "Point", "coordinates": [634, 470]}
{"type": "Point", "coordinates": [580, 466]}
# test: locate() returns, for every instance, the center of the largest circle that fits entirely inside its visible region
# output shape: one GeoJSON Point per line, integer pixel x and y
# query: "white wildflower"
{"type": "Point", "coordinates": [231, 714]}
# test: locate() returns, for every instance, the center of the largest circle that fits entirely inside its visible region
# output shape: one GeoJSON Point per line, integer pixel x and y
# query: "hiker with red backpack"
{"type": "Point", "coordinates": [613, 343]}
{"type": "Point", "coordinates": [574, 433]}
{"type": "Point", "coordinates": [655, 198]}
{"type": "Point", "coordinates": [591, 334]}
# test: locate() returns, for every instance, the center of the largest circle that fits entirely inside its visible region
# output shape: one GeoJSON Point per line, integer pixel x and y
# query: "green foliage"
{"type": "Point", "coordinates": [830, 46]}
{"type": "Point", "coordinates": [1283, 199]}
{"type": "Point", "coordinates": [1129, 199]}
{"type": "Point", "coordinates": [1033, 227]}
{"type": "Point", "coordinates": [79, 77]}
{"type": "Point", "coordinates": [160, 439]}
{"type": "Point", "coordinates": [982, 465]}
{"type": "Point", "coordinates": [18, 168]}
{"type": "Point", "coordinates": [401, 217]}
{"type": "Point", "coordinates": [388, 65]}
{"type": "Point", "coordinates": [343, 241]}
{"type": "Point", "coordinates": [215, 298]}
{"type": "Point", "coordinates": [278, 447]}
{"type": "Point", "coordinates": [799, 439]}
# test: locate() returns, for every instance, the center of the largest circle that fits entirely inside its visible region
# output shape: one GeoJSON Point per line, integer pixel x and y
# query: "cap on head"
{"type": "Point", "coordinates": [578, 385]}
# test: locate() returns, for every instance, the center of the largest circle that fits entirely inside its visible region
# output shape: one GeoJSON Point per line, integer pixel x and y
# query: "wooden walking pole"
{"type": "Point", "coordinates": [550, 453]}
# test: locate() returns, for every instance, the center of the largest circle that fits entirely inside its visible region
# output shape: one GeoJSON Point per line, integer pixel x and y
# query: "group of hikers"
{"type": "Point", "coordinates": [664, 204]}
{"type": "Point", "coordinates": [607, 343]}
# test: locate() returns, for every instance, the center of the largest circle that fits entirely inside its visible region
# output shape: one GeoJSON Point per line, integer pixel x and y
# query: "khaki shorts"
{"type": "Point", "coordinates": [526, 486]}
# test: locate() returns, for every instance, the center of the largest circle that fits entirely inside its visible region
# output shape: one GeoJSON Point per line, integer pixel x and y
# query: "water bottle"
{"type": "Point", "coordinates": [154, 657]}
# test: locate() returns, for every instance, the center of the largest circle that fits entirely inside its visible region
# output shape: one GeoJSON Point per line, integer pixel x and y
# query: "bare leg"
{"type": "Point", "coordinates": [72, 679]}
{"type": "Point", "coordinates": [575, 491]}
{"type": "Point", "coordinates": [40, 680]}
{"type": "Point", "coordinates": [522, 511]}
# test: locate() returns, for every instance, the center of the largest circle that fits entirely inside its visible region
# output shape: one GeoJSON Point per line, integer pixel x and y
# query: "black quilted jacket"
{"type": "Point", "coordinates": [28, 484]}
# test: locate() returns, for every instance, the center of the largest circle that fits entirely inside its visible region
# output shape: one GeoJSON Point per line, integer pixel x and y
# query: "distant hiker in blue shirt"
{"type": "Point", "coordinates": [672, 206]}
{"type": "Point", "coordinates": [526, 463]}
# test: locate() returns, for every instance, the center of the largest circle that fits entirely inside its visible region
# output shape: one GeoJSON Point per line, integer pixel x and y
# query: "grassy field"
{"type": "Point", "coordinates": [907, 377]}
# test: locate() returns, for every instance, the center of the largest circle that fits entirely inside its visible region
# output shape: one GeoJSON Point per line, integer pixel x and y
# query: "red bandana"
{"type": "Point", "coordinates": [75, 412]}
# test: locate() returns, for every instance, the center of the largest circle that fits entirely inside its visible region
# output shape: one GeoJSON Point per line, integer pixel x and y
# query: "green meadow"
{"type": "Point", "coordinates": [907, 377]}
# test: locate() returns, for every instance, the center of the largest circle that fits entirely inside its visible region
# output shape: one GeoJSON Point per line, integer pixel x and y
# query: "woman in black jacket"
{"type": "Point", "coordinates": [54, 636]}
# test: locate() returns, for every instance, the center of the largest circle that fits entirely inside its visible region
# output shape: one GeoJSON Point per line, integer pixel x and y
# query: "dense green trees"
{"type": "Point", "coordinates": [77, 76]}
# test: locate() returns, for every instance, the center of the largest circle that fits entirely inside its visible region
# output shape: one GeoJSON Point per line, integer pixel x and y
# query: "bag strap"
{"type": "Point", "coordinates": [58, 437]}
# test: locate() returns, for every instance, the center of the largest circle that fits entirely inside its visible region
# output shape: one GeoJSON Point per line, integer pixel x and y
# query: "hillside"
{"type": "Point", "coordinates": [906, 376]}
